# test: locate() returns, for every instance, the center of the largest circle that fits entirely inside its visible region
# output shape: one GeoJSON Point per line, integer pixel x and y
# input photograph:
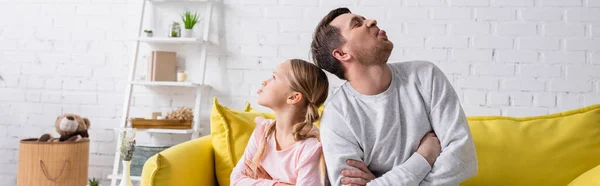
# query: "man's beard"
{"type": "Point", "coordinates": [375, 55]}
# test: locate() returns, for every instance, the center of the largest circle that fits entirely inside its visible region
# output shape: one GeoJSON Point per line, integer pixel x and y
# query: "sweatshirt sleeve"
{"type": "Point", "coordinates": [340, 144]}
{"type": "Point", "coordinates": [457, 161]}
{"type": "Point", "coordinates": [237, 177]}
{"type": "Point", "coordinates": [411, 172]}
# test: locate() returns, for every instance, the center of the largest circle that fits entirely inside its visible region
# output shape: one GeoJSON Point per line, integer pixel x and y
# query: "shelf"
{"type": "Point", "coordinates": [165, 131]}
{"type": "Point", "coordinates": [167, 83]}
{"type": "Point", "coordinates": [170, 40]}
{"type": "Point", "coordinates": [133, 178]}
{"type": "Point", "coordinates": [181, 1]}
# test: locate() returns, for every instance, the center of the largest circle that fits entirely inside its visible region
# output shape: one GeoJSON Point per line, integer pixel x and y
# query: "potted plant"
{"type": "Point", "coordinates": [148, 33]}
{"type": "Point", "coordinates": [175, 30]}
{"type": "Point", "coordinates": [189, 21]}
{"type": "Point", "coordinates": [94, 182]}
{"type": "Point", "coordinates": [127, 147]}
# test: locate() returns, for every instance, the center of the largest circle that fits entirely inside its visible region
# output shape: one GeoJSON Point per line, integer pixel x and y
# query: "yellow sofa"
{"type": "Point", "coordinates": [556, 149]}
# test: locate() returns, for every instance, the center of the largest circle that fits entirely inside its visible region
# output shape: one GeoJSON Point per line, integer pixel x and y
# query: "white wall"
{"type": "Point", "coordinates": [504, 57]}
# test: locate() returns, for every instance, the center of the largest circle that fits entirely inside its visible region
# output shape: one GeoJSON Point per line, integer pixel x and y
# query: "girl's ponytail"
{"type": "Point", "coordinates": [261, 150]}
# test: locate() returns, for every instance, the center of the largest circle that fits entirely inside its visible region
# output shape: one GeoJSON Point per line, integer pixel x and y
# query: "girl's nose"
{"type": "Point", "coordinates": [264, 83]}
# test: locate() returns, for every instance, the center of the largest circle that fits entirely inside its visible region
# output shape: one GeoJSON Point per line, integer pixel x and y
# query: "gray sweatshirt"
{"type": "Point", "coordinates": [384, 130]}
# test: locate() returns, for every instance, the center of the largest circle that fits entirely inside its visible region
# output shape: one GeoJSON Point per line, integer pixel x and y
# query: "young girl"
{"type": "Point", "coordinates": [286, 151]}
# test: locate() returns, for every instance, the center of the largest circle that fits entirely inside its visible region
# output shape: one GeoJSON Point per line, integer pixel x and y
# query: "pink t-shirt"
{"type": "Point", "coordinates": [298, 164]}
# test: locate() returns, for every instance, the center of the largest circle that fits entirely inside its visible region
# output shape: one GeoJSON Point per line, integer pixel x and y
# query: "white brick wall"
{"type": "Point", "coordinates": [504, 57]}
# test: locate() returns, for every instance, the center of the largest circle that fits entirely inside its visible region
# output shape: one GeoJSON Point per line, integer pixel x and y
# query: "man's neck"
{"type": "Point", "coordinates": [371, 79]}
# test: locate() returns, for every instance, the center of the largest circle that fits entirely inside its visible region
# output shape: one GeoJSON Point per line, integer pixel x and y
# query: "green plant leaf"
{"type": "Point", "coordinates": [93, 182]}
{"type": "Point", "coordinates": [189, 20]}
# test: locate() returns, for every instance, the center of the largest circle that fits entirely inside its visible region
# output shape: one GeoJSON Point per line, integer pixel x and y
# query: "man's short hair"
{"type": "Point", "coordinates": [325, 39]}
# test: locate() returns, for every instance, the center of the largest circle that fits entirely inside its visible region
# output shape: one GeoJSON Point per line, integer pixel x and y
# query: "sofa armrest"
{"type": "Point", "coordinates": [188, 163]}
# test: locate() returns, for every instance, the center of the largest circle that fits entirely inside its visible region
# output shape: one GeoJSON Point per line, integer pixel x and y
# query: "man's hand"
{"type": "Point", "coordinates": [430, 147]}
{"type": "Point", "coordinates": [260, 172]}
{"type": "Point", "coordinates": [357, 177]}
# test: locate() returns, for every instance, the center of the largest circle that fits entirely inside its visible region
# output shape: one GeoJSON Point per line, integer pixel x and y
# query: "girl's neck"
{"type": "Point", "coordinates": [286, 118]}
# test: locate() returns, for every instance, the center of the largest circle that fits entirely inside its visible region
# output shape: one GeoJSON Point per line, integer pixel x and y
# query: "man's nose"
{"type": "Point", "coordinates": [371, 22]}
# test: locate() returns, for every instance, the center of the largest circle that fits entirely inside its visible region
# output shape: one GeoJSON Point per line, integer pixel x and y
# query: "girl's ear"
{"type": "Point", "coordinates": [294, 98]}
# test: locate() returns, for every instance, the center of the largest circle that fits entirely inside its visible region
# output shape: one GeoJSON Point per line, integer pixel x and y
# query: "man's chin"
{"type": "Point", "coordinates": [387, 41]}
{"type": "Point", "coordinates": [388, 46]}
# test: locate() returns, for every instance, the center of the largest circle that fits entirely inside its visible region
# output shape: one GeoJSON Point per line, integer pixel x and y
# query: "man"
{"type": "Point", "coordinates": [390, 123]}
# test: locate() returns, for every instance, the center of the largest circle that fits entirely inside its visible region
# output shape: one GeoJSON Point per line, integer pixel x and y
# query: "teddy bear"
{"type": "Point", "coordinates": [71, 127]}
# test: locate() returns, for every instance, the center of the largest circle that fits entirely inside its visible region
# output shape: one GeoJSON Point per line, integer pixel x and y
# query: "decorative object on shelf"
{"type": "Point", "coordinates": [163, 123]}
{"type": "Point", "coordinates": [182, 113]}
{"type": "Point", "coordinates": [127, 148]}
{"type": "Point", "coordinates": [155, 115]}
{"type": "Point", "coordinates": [175, 30]}
{"type": "Point", "coordinates": [162, 66]}
{"type": "Point", "coordinates": [181, 76]}
{"type": "Point", "coordinates": [189, 21]}
{"type": "Point", "coordinates": [148, 33]}
{"type": "Point", "coordinates": [176, 119]}
{"type": "Point", "coordinates": [93, 182]}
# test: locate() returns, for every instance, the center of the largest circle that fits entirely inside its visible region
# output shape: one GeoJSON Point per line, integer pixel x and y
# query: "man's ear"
{"type": "Point", "coordinates": [294, 98]}
{"type": "Point", "coordinates": [340, 55]}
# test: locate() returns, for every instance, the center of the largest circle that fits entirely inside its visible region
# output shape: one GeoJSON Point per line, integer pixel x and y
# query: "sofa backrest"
{"type": "Point", "coordinates": [543, 150]}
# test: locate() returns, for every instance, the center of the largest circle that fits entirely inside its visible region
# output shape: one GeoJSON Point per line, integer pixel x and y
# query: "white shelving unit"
{"type": "Point", "coordinates": [167, 83]}
{"type": "Point", "coordinates": [133, 178]}
{"type": "Point", "coordinates": [199, 86]}
{"type": "Point", "coordinates": [168, 40]}
{"type": "Point", "coordinates": [170, 1]}
{"type": "Point", "coordinates": [165, 131]}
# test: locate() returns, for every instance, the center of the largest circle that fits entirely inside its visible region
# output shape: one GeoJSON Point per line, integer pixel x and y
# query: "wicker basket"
{"type": "Point", "coordinates": [141, 123]}
{"type": "Point", "coordinates": [53, 164]}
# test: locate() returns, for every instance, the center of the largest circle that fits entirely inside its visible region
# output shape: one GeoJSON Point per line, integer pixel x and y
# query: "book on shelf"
{"type": "Point", "coordinates": [162, 66]}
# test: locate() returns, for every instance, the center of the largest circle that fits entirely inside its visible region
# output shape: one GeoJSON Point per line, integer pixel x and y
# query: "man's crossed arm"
{"type": "Point", "coordinates": [456, 163]}
{"type": "Point", "coordinates": [429, 148]}
{"type": "Point", "coordinates": [343, 157]}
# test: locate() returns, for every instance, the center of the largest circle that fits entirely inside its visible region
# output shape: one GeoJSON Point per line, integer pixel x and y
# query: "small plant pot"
{"type": "Point", "coordinates": [149, 34]}
{"type": "Point", "coordinates": [187, 33]}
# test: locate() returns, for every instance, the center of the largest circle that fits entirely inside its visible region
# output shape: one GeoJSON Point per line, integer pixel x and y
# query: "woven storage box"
{"type": "Point", "coordinates": [53, 164]}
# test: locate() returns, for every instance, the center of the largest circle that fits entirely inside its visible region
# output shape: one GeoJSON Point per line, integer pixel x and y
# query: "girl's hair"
{"type": "Point", "coordinates": [312, 83]}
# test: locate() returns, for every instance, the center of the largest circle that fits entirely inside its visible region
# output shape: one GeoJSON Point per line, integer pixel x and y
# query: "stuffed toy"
{"type": "Point", "coordinates": [71, 127]}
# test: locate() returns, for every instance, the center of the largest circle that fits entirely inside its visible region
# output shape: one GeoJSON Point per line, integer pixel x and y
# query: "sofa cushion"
{"type": "Point", "coordinates": [186, 164]}
{"type": "Point", "coordinates": [589, 178]}
{"type": "Point", "coordinates": [543, 150]}
{"type": "Point", "coordinates": [230, 131]}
